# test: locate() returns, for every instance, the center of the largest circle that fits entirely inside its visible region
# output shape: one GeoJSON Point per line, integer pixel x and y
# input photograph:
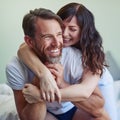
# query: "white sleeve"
{"type": "Point", "coordinates": [15, 75]}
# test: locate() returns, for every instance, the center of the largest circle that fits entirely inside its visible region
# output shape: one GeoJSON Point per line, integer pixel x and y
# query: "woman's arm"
{"type": "Point", "coordinates": [85, 95]}
{"type": "Point", "coordinates": [48, 85]}
{"type": "Point", "coordinates": [88, 83]}
{"type": "Point", "coordinates": [76, 92]}
{"type": "Point", "coordinates": [28, 56]}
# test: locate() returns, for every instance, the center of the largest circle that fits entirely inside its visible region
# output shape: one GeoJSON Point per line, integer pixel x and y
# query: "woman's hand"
{"type": "Point", "coordinates": [49, 89]}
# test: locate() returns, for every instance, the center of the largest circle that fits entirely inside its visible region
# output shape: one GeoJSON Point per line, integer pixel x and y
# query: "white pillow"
{"type": "Point", "coordinates": [5, 89]}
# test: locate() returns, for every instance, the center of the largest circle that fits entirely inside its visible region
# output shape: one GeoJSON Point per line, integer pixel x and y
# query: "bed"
{"type": "Point", "coordinates": [7, 104]}
{"type": "Point", "coordinates": [8, 109]}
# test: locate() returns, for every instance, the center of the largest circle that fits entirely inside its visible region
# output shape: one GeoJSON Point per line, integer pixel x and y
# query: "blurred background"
{"type": "Point", "coordinates": [107, 20]}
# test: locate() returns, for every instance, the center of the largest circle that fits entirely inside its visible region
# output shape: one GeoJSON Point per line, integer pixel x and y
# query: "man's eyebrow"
{"type": "Point", "coordinates": [43, 35]}
{"type": "Point", "coordinates": [60, 32]}
{"type": "Point", "coordinates": [73, 26]}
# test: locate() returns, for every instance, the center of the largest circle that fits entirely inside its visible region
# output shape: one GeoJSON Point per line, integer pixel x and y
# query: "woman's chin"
{"type": "Point", "coordinates": [66, 45]}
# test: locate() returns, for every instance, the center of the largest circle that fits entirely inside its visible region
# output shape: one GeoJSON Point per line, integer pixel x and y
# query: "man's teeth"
{"type": "Point", "coordinates": [56, 50]}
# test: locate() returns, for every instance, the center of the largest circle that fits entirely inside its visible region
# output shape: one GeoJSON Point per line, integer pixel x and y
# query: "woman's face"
{"type": "Point", "coordinates": [71, 34]}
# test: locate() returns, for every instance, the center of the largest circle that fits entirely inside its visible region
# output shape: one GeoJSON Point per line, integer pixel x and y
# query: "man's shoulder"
{"type": "Point", "coordinates": [17, 73]}
{"type": "Point", "coordinates": [12, 62]}
{"type": "Point", "coordinates": [15, 64]}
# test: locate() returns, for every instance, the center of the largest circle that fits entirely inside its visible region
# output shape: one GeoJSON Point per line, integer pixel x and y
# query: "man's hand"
{"type": "Point", "coordinates": [31, 93]}
{"type": "Point", "coordinates": [58, 72]}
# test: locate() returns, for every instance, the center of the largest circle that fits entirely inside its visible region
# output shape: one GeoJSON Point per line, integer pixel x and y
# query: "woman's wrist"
{"type": "Point", "coordinates": [42, 73]}
{"type": "Point", "coordinates": [63, 85]}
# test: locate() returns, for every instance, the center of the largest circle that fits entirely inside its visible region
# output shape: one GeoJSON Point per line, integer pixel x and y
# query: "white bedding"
{"type": "Point", "coordinates": [7, 104]}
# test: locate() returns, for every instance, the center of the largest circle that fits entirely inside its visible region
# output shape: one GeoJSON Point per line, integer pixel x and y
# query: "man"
{"type": "Point", "coordinates": [43, 33]}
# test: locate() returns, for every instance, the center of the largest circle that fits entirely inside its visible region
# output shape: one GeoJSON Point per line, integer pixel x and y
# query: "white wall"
{"type": "Point", "coordinates": [107, 17]}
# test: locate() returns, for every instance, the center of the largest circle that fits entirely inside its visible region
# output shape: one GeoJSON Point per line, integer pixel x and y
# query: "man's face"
{"type": "Point", "coordinates": [48, 40]}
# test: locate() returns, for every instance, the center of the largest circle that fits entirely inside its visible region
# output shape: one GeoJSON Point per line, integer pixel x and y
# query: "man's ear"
{"type": "Point", "coordinates": [28, 40]}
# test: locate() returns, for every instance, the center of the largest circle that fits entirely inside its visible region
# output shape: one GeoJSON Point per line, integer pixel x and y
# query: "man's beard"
{"type": "Point", "coordinates": [53, 60]}
{"type": "Point", "coordinates": [50, 59]}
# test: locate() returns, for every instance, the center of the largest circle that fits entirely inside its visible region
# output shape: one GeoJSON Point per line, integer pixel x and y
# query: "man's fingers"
{"type": "Point", "coordinates": [29, 99]}
{"type": "Point", "coordinates": [25, 91]}
{"type": "Point", "coordinates": [26, 88]}
{"type": "Point", "coordinates": [26, 85]}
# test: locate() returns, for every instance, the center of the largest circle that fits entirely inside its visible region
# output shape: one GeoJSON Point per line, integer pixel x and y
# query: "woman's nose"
{"type": "Point", "coordinates": [65, 32]}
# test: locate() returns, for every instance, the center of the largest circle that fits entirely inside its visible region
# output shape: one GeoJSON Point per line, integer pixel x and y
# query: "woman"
{"type": "Point", "coordinates": [80, 32]}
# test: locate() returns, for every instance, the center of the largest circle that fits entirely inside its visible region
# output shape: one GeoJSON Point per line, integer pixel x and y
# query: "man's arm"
{"type": "Point", "coordinates": [94, 103]}
{"type": "Point", "coordinates": [16, 79]}
{"type": "Point", "coordinates": [46, 81]}
{"type": "Point", "coordinates": [26, 110]}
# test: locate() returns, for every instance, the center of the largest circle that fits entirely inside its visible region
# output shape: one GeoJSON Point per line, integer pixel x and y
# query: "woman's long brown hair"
{"type": "Point", "coordinates": [90, 43]}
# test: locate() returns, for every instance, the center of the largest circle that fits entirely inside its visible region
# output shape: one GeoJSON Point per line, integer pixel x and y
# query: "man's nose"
{"type": "Point", "coordinates": [55, 41]}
